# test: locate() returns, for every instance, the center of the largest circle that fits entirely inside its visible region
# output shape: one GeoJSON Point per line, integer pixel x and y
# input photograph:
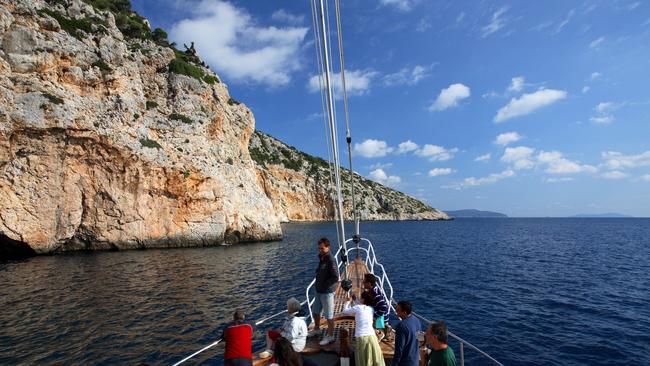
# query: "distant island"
{"type": "Point", "coordinates": [475, 213]}
{"type": "Point", "coordinates": [603, 215]}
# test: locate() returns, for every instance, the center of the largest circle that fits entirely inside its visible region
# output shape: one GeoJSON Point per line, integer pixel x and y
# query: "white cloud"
{"type": "Point", "coordinates": [564, 22]}
{"type": "Point", "coordinates": [372, 148]}
{"type": "Point", "coordinates": [357, 82]}
{"type": "Point", "coordinates": [607, 107]}
{"type": "Point", "coordinates": [485, 157]}
{"type": "Point", "coordinates": [407, 76]}
{"type": "Point", "coordinates": [406, 146]}
{"type": "Point", "coordinates": [517, 84]}
{"type": "Point", "coordinates": [490, 179]}
{"type": "Point", "coordinates": [595, 75]}
{"type": "Point", "coordinates": [616, 160]}
{"type": "Point", "coordinates": [557, 164]}
{"type": "Point", "coordinates": [379, 175]}
{"type": "Point", "coordinates": [615, 174]}
{"type": "Point", "coordinates": [521, 157]}
{"type": "Point", "coordinates": [633, 5]}
{"type": "Point", "coordinates": [436, 153]}
{"type": "Point", "coordinates": [423, 25]}
{"type": "Point", "coordinates": [585, 89]}
{"type": "Point", "coordinates": [460, 17]}
{"type": "Point", "coordinates": [496, 23]}
{"type": "Point", "coordinates": [528, 103]}
{"type": "Point", "coordinates": [596, 42]}
{"type": "Point", "coordinates": [381, 166]}
{"type": "Point", "coordinates": [602, 120]}
{"type": "Point", "coordinates": [232, 43]}
{"type": "Point", "coordinates": [402, 5]}
{"type": "Point", "coordinates": [558, 180]}
{"type": "Point", "coordinates": [450, 97]}
{"type": "Point", "coordinates": [506, 138]}
{"type": "Point", "coordinates": [646, 178]}
{"type": "Point", "coordinates": [440, 171]}
{"type": "Point", "coordinates": [284, 16]}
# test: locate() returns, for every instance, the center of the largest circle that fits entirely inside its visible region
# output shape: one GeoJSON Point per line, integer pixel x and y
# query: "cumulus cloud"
{"type": "Point", "coordinates": [497, 22]}
{"type": "Point", "coordinates": [602, 120]}
{"type": "Point", "coordinates": [558, 180]}
{"type": "Point", "coordinates": [440, 171]}
{"type": "Point", "coordinates": [520, 157]}
{"type": "Point", "coordinates": [406, 146]}
{"type": "Point", "coordinates": [490, 179]}
{"type": "Point", "coordinates": [381, 166]}
{"type": "Point", "coordinates": [372, 148]}
{"type": "Point", "coordinates": [402, 5]}
{"type": "Point", "coordinates": [450, 97]}
{"type": "Point", "coordinates": [646, 178]}
{"type": "Point", "coordinates": [586, 89]}
{"type": "Point", "coordinates": [379, 175]}
{"type": "Point", "coordinates": [529, 103]}
{"type": "Point", "coordinates": [284, 16]}
{"type": "Point", "coordinates": [617, 160]}
{"type": "Point", "coordinates": [485, 157]}
{"type": "Point", "coordinates": [357, 82]}
{"type": "Point", "coordinates": [596, 42]}
{"type": "Point", "coordinates": [516, 84]}
{"type": "Point", "coordinates": [230, 41]}
{"type": "Point", "coordinates": [595, 75]}
{"type": "Point", "coordinates": [615, 174]}
{"type": "Point", "coordinates": [557, 164]}
{"type": "Point", "coordinates": [435, 152]}
{"type": "Point", "coordinates": [407, 76]}
{"type": "Point", "coordinates": [506, 138]}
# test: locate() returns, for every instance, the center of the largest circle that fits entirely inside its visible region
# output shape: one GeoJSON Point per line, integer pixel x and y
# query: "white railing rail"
{"type": "Point", "coordinates": [462, 343]}
{"type": "Point", "coordinates": [221, 339]}
{"type": "Point", "coordinates": [370, 261]}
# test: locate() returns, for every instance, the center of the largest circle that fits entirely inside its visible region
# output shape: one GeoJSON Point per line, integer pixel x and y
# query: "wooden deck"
{"type": "Point", "coordinates": [356, 270]}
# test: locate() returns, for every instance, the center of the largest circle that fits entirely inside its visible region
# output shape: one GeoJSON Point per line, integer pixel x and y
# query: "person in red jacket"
{"type": "Point", "coordinates": [239, 342]}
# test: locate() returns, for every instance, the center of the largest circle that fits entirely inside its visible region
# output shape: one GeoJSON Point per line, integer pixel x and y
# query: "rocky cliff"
{"type": "Point", "coordinates": [300, 188]}
{"type": "Point", "coordinates": [110, 138]}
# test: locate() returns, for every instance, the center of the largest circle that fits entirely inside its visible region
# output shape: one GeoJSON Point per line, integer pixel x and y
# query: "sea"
{"type": "Point", "coordinates": [538, 291]}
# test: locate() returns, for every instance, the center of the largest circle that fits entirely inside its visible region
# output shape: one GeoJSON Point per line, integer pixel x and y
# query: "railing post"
{"type": "Point", "coordinates": [462, 355]}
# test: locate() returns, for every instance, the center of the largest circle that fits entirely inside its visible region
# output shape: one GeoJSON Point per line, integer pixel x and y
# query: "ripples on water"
{"type": "Point", "coordinates": [528, 291]}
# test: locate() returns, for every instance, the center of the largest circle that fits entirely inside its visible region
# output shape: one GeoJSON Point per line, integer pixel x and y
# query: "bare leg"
{"type": "Point", "coordinates": [316, 321]}
{"type": "Point", "coordinates": [269, 342]}
{"type": "Point", "coordinates": [330, 327]}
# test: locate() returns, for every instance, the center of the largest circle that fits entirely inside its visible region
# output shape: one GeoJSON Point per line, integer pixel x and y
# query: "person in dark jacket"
{"type": "Point", "coordinates": [327, 277]}
{"type": "Point", "coordinates": [406, 337]}
{"type": "Point", "coordinates": [238, 337]}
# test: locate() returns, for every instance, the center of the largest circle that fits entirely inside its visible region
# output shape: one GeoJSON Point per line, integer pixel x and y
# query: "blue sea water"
{"type": "Point", "coordinates": [527, 291]}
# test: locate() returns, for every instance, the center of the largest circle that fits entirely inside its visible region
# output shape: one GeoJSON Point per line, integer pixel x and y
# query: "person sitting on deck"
{"type": "Point", "coordinates": [378, 303]}
{"type": "Point", "coordinates": [238, 337]}
{"type": "Point", "coordinates": [327, 277]}
{"type": "Point", "coordinates": [406, 337]}
{"type": "Point", "coordinates": [442, 354]}
{"type": "Point", "coordinates": [285, 355]}
{"type": "Point", "coordinates": [368, 352]}
{"type": "Point", "coordinates": [294, 329]}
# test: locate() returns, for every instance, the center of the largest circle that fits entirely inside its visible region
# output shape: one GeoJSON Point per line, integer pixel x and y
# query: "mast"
{"type": "Point", "coordinates": [333, 135]}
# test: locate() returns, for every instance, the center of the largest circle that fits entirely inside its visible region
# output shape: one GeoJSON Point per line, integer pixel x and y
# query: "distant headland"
{"type": "Point", "coordinates": [475, 213]}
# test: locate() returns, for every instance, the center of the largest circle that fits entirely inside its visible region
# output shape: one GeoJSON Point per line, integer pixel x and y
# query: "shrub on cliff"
{"type": "Point", "coordinates": [150, 143]}
{"type": "Point", "coordinates": [180, 117]}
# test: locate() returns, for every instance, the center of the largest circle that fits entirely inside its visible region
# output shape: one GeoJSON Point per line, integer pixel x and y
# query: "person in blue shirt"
{"type": "Point", "coordinates": [406, 337]}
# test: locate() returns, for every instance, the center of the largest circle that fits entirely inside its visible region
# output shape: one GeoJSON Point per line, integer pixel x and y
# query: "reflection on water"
{"type": "Point", "coordinates": [538, 291]}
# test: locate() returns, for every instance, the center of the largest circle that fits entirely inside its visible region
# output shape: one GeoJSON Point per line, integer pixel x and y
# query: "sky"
{"type": "Point", "coordinates": [529, 108]}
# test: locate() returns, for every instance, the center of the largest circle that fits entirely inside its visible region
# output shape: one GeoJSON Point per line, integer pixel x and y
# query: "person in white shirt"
{"type": "Point", "coordinates": [367, 351]}
{"type": "Point", "coordinates": [294, 330]}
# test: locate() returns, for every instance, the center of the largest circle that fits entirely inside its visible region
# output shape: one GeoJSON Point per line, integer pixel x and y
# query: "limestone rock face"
{"type": "Point", "coordinates": [103, 147]}
{"type": "Point", "coordinates": [299, 187]}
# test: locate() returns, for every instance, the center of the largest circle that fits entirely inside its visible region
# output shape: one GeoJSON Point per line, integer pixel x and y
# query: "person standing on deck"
{"type": "Point", "coordinates": [367, 351]}
{"type": "Point", "coordinates": [238, 337]}
{"type": "Point", "coordinates": [327, 277]}
{"type": "Point", "coordinates": [442, 354]}
{"type": "Point", "coordinates": [407, 351]}
{"type": "Point", "coordinates": [378, 303]}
